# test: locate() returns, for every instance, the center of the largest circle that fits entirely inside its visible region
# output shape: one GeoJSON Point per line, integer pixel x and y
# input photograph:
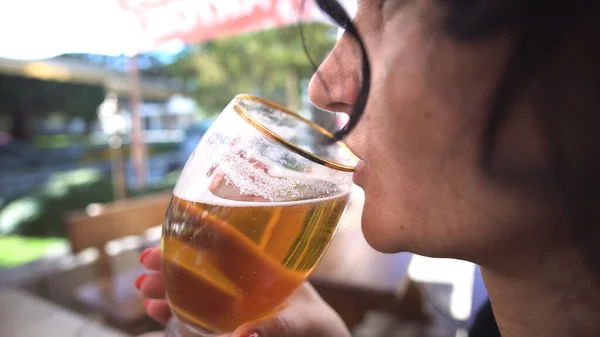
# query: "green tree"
{"type": "Point", "coordinates": [270, 63]}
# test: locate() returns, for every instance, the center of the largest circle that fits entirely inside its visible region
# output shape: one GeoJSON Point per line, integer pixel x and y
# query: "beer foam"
{"type": "Point", "coordinates": [278, 183]}
{"type": "Point", "coordinates": [256, 165]}
{"type": "Point", "coordinates": [207, 197]}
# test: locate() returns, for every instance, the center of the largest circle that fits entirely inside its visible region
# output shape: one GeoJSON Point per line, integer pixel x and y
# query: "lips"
{"type": "Point", "coordinates": [360, 167]}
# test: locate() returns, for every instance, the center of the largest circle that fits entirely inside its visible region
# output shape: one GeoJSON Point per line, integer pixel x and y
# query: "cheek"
{"type": "Point", "coordinates": [418, 158]}
{"type": "Point", "coordinates": [420, 137]}
{"type": "Point", "coordinates": [397, 204]}
{"type": "Point", "coordinates": [403, 152]}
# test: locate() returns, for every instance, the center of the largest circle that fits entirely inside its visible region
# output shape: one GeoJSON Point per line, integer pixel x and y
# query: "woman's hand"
{"type": "Point", "coordinates": [306, 314]}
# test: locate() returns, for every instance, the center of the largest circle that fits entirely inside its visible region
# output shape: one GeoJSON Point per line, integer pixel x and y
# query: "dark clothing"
{"type": "Point", "coordinates": [485, 323]}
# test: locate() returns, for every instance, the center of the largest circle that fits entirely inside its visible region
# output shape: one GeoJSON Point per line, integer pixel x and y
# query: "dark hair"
{"type": "Point", "coordinates": [541, 26]}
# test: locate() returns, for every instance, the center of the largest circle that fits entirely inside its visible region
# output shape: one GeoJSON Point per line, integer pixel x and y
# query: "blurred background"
{"type": "Point", "coordinates": [101, 104]}
{"type": "Point", "coordinates": [69, 121]}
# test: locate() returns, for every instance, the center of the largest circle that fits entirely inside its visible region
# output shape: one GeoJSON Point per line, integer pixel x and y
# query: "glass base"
{"type": "Point", "coordinates": [176, 328]}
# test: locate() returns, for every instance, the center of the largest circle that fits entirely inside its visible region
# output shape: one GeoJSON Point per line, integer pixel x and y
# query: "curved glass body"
{"type": "Point", "coordinates": [252, 213]}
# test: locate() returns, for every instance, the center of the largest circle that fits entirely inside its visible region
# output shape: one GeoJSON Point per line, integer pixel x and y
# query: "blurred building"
{"type": "Point", "coordinates": [162, 121]}
{"type": "Point", "coordinates": [165, 110]}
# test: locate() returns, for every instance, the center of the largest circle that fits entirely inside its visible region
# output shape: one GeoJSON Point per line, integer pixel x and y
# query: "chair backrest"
{"type": "Point", "coordinates": [100, 224]}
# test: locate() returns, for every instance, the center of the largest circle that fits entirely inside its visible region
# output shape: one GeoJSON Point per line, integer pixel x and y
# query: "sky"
{"type": "Point", "coordinates": [39, 29]}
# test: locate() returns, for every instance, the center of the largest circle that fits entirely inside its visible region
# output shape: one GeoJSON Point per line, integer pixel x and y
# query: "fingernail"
{"type": "Point", "coordinates": [144, 254]}
{"type": "Point", "coordinates": [139, 280]}
{"type": "Point", "coordinates": [254, 334]}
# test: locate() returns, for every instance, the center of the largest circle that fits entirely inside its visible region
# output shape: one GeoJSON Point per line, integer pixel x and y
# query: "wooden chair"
{"type": "Point", "coordinates": [100, 224]}
{"type": "Point", "coordinates": [116, 230]}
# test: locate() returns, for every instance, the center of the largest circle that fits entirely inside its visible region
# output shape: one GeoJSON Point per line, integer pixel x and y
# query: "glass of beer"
{"type": "Point", "coordinates": [252, 213]}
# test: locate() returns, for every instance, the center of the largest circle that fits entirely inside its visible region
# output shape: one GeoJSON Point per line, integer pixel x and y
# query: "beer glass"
{"type": "Point", "coordinates": [252, 213]}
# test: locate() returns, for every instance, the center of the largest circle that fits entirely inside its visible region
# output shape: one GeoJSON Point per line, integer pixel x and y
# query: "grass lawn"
{"type": "Point", "coordinates": [17, 250]}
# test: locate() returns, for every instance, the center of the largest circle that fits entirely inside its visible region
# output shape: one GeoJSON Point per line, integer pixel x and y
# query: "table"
{"type": "Point", "coordinates": [116, 297]}
{"type": "Point", "coordinates": [24, 315]}
{"type": "Point", "coordinates": [352, 277]}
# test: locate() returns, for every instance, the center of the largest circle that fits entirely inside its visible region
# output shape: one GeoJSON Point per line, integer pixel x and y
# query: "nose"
{"type": "Point", "coordinates": [336, 84]}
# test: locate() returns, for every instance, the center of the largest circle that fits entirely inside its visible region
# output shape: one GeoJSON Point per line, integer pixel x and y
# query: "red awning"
{"type": "Point", "coordinates": [114, 27]}
{"type": "Point", "coordinates": [197, 20]}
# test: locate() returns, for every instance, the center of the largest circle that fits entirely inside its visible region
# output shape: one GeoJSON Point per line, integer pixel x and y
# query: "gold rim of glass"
{"type": "Point", "coordinates": [284, 142]}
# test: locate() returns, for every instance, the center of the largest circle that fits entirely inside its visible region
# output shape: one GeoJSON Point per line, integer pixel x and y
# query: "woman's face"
{"type": "Point", "coordinates": [420, 136]}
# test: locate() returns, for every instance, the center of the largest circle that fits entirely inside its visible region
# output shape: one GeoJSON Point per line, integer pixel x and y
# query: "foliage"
{"type": "Point", "coordinates": [261, 63]}
{"type": "Point", "coordinates": [100, 153]}
{"type": "Point", "coordinates": [41, 212]}
{"type": "Point", "coordinates": [58, 140]}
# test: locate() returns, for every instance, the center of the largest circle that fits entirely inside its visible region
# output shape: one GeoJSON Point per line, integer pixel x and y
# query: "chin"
{"type": "Point", "coordinates": [379, 234]}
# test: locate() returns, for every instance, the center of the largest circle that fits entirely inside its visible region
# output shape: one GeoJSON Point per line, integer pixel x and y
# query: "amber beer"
{"type": "Point", "coordinates": [228, 262]}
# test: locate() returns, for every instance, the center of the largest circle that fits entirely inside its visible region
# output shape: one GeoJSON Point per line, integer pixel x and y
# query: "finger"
{"type": "Point", "coordinates": [151, 258]}
{"type": "Point", "coordinates": [151, 285]}
{"type": "Point", "coordinates": [286, 323]}
{"type": "Point", "coordinates": [158, 310]}
{"type": "Point", "coordinates": [303, 320]}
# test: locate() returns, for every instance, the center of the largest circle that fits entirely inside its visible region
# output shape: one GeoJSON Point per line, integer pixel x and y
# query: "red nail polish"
{"type": "Point", "coordinates": [144, 254]}
{"type": "Point", "coordinates": [139, 280]}
{"type": "Point", "coordinates": [146, 304]}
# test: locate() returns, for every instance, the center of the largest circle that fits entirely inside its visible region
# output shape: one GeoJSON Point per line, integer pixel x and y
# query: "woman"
{"type": "Point", "coordinates": [476, 122]}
